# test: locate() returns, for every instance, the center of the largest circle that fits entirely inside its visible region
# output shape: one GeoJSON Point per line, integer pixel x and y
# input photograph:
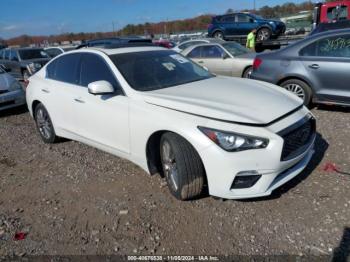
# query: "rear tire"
{"type": "Point", "coordinates": [182, 167]}
{"type": "Point", "coordinates": [219, 35]}
{"type": "Point", "coordinates": [299, 88]}
{"type": "Point", "coordinates": [248, 72]}
{"type": "Point", "coordinates": [44, 125]}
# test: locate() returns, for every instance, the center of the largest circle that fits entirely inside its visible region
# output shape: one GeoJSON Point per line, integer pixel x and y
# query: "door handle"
{"type": "Point", "coordinates": [314, 66]}
{"type": "Point", "coordinates": [79, 100]}
{"type": "Point", "coordinates": [200, 62]}
{"type": "Point", "coordinates": [45, 91]}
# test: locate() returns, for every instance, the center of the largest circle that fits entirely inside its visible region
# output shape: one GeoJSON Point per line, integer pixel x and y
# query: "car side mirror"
{"type": "Point", "coordinates": [225, 56]}
{"type": "Point", "coordinates": [100, 88]}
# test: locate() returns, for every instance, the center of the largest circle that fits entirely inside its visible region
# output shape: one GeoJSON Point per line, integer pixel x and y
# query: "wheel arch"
{"type": "Point", "coordinates": [153, 152]}
{"type": "Point", "coordinates": [286, 78]}
{"type": "Point", "coordinates": [35, 103]}
{"type": "Point", "coordinates": [245, 69]}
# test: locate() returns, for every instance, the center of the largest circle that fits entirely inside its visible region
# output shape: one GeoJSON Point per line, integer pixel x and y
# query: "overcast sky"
{"type": "Point", "coordinates": [47, 17]}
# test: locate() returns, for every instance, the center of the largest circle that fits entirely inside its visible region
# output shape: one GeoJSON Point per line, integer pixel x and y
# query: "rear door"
{"type": "Point", "coordinates": [245, 24]}
{"type": "Point", "coordinates": [327, 62]}
{"type": "Point", "coordinates": [59, 91]}
{"type": "Point", "coordinates": [229, 24]}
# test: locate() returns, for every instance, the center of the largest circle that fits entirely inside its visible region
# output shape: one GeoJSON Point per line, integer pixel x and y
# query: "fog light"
{"type": "Point", "coordinates": [245, 179]}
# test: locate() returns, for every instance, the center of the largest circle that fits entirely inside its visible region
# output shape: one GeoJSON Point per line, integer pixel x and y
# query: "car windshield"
{"type": "Point", "coordinates": [27, 54]}
{"type": "Point", "coordinates": [236, 49]}
{"type": "Point", "coordinates": [153, 70]}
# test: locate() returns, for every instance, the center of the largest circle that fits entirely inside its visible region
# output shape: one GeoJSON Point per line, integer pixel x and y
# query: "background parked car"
{"type": "Point", "coordinates": [223, 58]}
{"type": "Point", "coordinates": [164, 43]}
{"type": "Point", "coordinates": [316, 68]}
{"type": "Point", "coordinates": [57, 50]}
{"type": "Point", "coordinates": [186, 44]}
{"type": "Point", "coordinates": [11, 92]}
{"type": "Point", "coordinates": [23, 62]}
{"type": "Point", "coordinates": [241, 24]}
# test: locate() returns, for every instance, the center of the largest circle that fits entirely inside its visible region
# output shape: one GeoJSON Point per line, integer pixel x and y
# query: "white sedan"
{"type": "Point", "coordinates": [239, 138]}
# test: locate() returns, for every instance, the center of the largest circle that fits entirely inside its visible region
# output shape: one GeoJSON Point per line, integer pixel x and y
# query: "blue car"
{"type": "Point", "coordinates": [241, 24]}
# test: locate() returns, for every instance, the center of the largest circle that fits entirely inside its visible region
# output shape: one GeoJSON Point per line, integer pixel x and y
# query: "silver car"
{"type": "Point", "coordinates": [226, 58]}
{"type": "Point", "coordinates": [11, 91]}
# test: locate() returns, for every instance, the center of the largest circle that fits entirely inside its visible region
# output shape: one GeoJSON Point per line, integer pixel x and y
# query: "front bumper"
{"type": "Point", "coordinates": [12, 99]}
{"type": "Point", "coordinates": [223, 167]}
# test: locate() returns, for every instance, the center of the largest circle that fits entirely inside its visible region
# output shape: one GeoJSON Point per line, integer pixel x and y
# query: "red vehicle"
{"type": "Point", "coordinates": [164, 43]}
{"type": "Point", "coordinates": [331, 12]}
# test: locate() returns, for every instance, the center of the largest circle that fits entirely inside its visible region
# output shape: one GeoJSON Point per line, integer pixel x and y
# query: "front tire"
{"type": "Point", "coordinates": [182, 167]}
{"type": "Point", "coordinates": [44, 125]}
{"type": "Point", "coordinates": [299, 88]}
{"type": "Point", "coordinates": [263, 34]}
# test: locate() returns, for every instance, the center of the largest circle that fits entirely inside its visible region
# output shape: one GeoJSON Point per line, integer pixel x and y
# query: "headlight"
{"type": "Point", "coordinates": [234, 142]}
{"type": "Point", "coordinates": [15, 86]}
{"type": "Point", "coordinates": [33, 67]}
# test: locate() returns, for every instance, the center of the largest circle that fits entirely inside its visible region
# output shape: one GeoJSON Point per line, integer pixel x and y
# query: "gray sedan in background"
{"type": "Point", "coordinates": [11, 91]}
{"type": "Point", "coordinates": [223, 58]}
{"type": "Point", "coordinates": [317, 69]}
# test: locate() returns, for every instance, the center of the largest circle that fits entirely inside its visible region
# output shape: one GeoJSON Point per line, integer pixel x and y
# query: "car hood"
{"type": "Point", "coordinates": [228, 99]}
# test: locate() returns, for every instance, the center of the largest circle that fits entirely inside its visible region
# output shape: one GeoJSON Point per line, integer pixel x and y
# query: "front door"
{"type": "Point", "coordinates": [103, 119]}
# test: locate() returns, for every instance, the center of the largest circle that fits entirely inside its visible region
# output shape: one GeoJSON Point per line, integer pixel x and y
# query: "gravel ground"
{"type": "Point", "coordinates": [71, 199]}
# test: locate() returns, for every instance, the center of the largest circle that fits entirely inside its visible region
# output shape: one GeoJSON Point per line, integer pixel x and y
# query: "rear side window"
{"type": "Point", "coordinates": [336, 46]}
{"type": "Point", "coordinates": [195, 53]}
{"type": "Point", "coordinates": [185, 45]}
{"type": "Point", "coordinates": [94, 68]}
{"type": "Point", "coordinates": [13, 55]}
{"type": "Point", "coordinates": [228, 19]}
{"type": "Point", "coordinates": [65, 69]}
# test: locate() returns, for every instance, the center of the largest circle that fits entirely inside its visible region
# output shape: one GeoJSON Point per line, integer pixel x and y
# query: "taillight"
{"type": "Point", "coordinates": [256, 64]}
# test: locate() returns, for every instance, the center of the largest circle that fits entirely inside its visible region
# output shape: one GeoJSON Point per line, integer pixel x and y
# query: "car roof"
{"type": "Point", "coordinates": [122, 50]}
{"type": "Point", "coordinates": [330, 32]}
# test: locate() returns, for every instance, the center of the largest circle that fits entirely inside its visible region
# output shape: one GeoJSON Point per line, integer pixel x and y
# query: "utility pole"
{"type": "Point", "coordinates": [113, 28]}
{"type": "Point", "coordinates": [254, 6]}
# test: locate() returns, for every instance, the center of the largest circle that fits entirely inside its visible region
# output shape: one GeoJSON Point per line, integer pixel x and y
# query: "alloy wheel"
{"type": "Point", "coordinates": [296, 89]}
{"type": "Point", "coordinates": [263, 34]}
{"type": "Point", "coordinates": [44, 123]}
{"type": "Point", "coordinates": [169, 165]}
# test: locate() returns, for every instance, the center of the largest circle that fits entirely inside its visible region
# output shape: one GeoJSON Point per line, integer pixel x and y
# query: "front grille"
{"type": "Point", "coordinates": [298, 138]}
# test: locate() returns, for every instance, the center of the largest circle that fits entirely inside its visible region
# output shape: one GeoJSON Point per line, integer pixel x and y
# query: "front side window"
{"type": "Point", "coordinates": [94, 68]}
{"type": "Point", "coordinates": [236, 49]}
{"type": "Point", "coordinates": [28, 54]}
{"type": "Point", "coordinates": [243, 18]}
{"type": "Point", "coordinates": [65, 69]}
{"type": "Point", "coordinates": [13, 55]}
{"type": "Point", "coordinates": [153, 70]}
{"type": "Point", "coordinates": [212, 51]}
{"type": "Point", "coordinates": [336, 46]}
